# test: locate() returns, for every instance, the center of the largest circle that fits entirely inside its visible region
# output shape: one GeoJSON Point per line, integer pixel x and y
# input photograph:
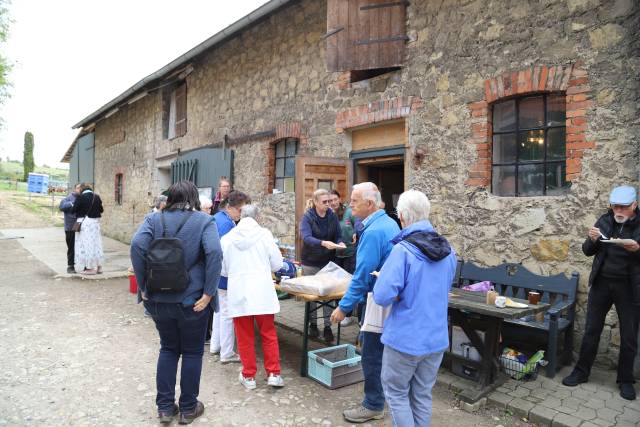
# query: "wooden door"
{"type": "Point", "coordinates": [318, 172]}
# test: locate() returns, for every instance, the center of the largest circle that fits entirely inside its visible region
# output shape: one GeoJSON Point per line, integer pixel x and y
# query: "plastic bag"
{"type": "Point", "coordinates": [479, 287]}
{"type": "Point", "coordinates": [330, 280]}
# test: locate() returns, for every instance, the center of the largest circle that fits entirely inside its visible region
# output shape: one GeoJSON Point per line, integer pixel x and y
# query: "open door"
{"type": "Point", "coordinates": [318, 172]}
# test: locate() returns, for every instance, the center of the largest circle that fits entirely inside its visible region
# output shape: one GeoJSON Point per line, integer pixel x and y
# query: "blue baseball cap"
{"type": "Point", "coordinates": [623, 195]}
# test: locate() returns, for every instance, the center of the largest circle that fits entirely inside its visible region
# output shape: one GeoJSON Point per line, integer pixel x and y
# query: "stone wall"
{"type": "Point", "coordinates": [274, 74]}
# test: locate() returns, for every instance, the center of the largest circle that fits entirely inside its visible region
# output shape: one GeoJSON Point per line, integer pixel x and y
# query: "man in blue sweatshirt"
{"type": "Point", "coordinates": [373, 248]}
{"type": "Point", "coordinates": [415, 282]}
{"type": "Point", "coordinates": [66, 206]}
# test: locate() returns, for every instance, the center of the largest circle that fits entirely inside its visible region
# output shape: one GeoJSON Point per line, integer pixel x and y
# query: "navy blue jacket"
{"type": "Point", "coordinates": [202, 253]}
{"type": "Point", "coordinates": [66, 206]}
{"type": "Point", "coordinates": [314, 230]}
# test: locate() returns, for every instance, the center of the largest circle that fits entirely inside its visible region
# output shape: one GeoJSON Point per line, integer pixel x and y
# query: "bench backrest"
{"type": "Point", "coordinates": [514, 280]}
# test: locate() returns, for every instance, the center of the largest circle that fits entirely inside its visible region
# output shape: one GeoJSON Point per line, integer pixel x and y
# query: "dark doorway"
{"type": "Point", "coordinates": [388, 175]}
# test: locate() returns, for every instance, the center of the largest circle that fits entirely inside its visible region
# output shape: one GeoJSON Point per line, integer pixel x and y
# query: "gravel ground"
{"type": "Point", "coordinates": [80, 352]}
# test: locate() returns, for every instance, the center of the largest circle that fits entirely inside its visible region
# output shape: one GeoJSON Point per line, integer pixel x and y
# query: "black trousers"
{"type": "Point", "coordinates": [604, 293]}
{"type": "Point", "coordinates": [71, 244]}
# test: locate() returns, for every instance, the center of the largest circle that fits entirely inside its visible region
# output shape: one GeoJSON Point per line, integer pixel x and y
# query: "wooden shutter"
{"type": "Point", "coordinates": [181, 109]}
{"type": "Point", "coordinates": [365, 34]}
{"type": "Point", "coordinates": [313, 173]}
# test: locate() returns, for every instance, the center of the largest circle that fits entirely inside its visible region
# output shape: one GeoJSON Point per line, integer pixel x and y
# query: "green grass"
{"type": "Point", "coordinates": [14, 171]}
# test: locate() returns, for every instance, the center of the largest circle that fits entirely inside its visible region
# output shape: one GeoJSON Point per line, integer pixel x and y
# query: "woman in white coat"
{"type": "Point", "coordinates": [250, 254]}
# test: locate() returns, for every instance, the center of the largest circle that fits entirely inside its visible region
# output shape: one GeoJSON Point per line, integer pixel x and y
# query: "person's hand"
{"type": "Point", "coordinates": [143, 295]}
{"type": "Point", "coordinates": [632, 247]}
{"type": "Point", "coordinates": [332, 246]}
{"type": "Point", "coordinates": [338, 315]}
{"type": "Point", "coordinates": [202, 303]}
{"type": "Point", "coordinates": [594, 233]}
{"type": "Point", "coordinates": [353, 239]}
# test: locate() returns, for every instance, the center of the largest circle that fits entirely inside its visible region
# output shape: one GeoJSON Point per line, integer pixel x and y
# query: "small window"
{"type": "Point", "coordinates": [529, 146]}
{"type": "Point", "coordinates": [175, 111]}
{"type": "Point", "coordinates": [118, 189]}
{"type": "Point", "coordinates": [285, 157]}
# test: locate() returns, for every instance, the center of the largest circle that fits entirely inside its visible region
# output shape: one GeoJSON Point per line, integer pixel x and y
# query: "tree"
{"type": "Point", "coordinates": [5, 67]}
{"type": "Point", "coordinates": [27, 160]}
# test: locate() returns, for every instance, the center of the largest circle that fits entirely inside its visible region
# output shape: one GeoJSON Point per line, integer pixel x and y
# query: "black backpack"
{"type": "Point", "coordinates": [166, 267]}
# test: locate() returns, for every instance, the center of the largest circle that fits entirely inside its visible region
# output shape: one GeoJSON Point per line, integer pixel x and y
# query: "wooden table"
{"type": "Point", "coordinates": [322, 301]}
{"type": "Point", "coordinates": [470, 311]}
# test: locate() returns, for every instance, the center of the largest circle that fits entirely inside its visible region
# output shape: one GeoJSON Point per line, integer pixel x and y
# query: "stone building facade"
{"type": "Point", "coordinates": [462, 57]}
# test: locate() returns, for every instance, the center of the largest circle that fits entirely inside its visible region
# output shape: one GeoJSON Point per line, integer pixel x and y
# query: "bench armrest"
{"type": "Point", "coordinates": [555, 311]}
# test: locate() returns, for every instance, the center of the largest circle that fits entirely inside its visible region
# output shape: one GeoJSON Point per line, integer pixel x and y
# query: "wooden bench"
{"type": "Point", "coordinates": [514, 280]}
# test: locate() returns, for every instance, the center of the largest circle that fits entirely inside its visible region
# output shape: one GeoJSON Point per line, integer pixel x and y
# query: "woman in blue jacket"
{"type": "Point", "coordinates": [415, 280]}
{"type": "Point", "coordinates": [180, 317]}
{"type": "Point", "coordinates": [321, 236]}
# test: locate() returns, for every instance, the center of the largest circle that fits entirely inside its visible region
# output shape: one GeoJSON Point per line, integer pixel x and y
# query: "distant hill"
{"type": "Point", "coordinates": [13, 170]}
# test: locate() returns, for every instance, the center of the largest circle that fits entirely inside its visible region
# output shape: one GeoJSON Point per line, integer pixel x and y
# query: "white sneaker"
{"type": "Point", "coordinates": [234, 358]}
{"type": "Point", "coordinates": [215, 351]}
{"type": "Point", "coordinates": [275, 380]}
{"type": "Point", "coordinates": [347, 321]}
{"type": "Point", "coordinates": [248, 383]}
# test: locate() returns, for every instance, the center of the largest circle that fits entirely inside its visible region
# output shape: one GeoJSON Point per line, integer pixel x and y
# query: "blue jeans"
{"type": "Point", "coordinates": [372, 350]}
{"type": "Point", "coordinates": [182, 332]}
{"type": "Point", "coordinates": [408, 381]}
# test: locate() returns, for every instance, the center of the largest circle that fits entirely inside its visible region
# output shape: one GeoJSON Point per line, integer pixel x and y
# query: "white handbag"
{"type": "Point", "coordinates": [374, 316]}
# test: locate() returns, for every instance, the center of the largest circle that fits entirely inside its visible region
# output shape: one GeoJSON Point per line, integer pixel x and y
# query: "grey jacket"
{"type": "Point", "coordinates": [66, 206]}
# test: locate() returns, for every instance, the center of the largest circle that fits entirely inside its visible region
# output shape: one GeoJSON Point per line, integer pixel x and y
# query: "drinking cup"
{"type": "Point", "coordinates": [501, 302]}
{"type": "Point", "coordinates": [534, 298]}
{"type": "Point", "coordinates": [491, 297]}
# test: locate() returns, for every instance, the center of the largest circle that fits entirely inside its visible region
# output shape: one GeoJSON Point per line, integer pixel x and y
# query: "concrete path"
{"type": "Point", "coordinates": [48, 245]}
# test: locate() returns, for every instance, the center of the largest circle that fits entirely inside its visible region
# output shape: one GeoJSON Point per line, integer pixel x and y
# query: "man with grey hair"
{"type": "Point", "coordinates": [373, 249]}
{"type": "Point", "coordinates": [420, 268]}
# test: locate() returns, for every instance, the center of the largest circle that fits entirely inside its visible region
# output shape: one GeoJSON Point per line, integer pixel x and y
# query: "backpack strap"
{"type": "Point", "coordinates": [164, 224]}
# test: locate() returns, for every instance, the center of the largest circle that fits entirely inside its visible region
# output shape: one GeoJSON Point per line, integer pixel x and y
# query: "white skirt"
{"type": "Point", "coordinates": [88, 245]}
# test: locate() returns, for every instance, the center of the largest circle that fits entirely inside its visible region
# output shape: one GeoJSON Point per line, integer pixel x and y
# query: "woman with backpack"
{"type": "Point", "coordinates": [176, 257]}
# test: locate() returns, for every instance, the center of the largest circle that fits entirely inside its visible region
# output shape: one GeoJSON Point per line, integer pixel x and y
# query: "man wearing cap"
{"type": "Point", "coordinates": [614, 279]}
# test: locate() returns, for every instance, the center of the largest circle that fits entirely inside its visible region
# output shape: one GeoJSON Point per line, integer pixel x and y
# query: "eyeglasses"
{"type": "Point", "coordinates": [621, 207]}
{"type": "Point", "coordinates": [325, 202]}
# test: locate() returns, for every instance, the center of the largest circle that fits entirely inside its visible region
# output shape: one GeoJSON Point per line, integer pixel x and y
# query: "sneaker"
{"type": "Point", "coordinates": [362, 415]}
{"type": "Point", "coordinates": [216, 351]}
{"type": "Point", "coordinates": [167, 416]}
{"type": "Point", "coordinates": [232, 359]}
{"type": "Point", "coordinates": [248, 383]}
{"type": "Point", "coordinates": [275, 380]}
{"type": "Point", "coordinates": [574, 379]}
{"type": "Point", "coordinates": [347, 321]}
{"type": "Point", "coordinates": [188, 417]}
{"type": "Point", "coordinates": [71, 270]}
{"type": "Point", "coordinates": [327, 334]}
{"type": "Point", "coordinates": [99, 270]}
{"type": "Point", "coordinates": [627, 391]}
{"type": "Point", "coordinates": [313, 331]}
{"type": "Point", "coordinates": [89, 272]}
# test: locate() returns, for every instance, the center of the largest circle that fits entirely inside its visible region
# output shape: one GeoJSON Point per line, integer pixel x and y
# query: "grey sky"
{"type": "Point", "coordinates": [71, 57]}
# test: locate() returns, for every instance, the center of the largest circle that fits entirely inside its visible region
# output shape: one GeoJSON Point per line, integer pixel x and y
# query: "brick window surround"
{"type": "Point", "coordinates": [375, 112]}
{"type": "Point", "coordinates": [570, 79]}
{"type": "Point", "coordinates": [283, 130]}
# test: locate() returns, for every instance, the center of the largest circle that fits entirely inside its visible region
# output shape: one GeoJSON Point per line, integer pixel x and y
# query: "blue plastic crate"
{"type": "Point", "coordinates": [335, 366]}
{"type": "Point", "coordinates": [38, 183]}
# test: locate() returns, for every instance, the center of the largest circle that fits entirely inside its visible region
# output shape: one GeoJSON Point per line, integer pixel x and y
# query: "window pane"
{"type": "Point", "coordinates": [290, 166]}
{"type": "Point", "coordinates": [280, 167]}
{"type": "Point", "coordinates": [280, 149]}
{"type": "Point", "coordinates": [292, 147]}
{"type": "Point", "coordinates": [504, 116]}
{"type": "Point", "coordinates": [531, 112]}
{"type": "Point", "coordinates": [556, 145]}
{"type": "Point", "coordinates": [289, 185]}
{"type": "Point", "coordinates": [504, 148]}
{"type": "Point", "coordinates": [280, 184]}
{"type": "Point", "coordinates": [530, 180]}
{"type": "Point", "coordinates": [556, 174]}
{"type": "Point", "coordinates": [504, 180]}
{"type": "Point", "coordinates": [324, 184]}
{"type": "Point", "coordinates": [556, 108]}
{"type": "Point", "coordinates": [531, 145]}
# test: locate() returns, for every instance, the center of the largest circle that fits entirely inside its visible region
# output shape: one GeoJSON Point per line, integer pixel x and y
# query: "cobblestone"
{"type": "Point", "coordinates": [585, 413]}
{"type": "Point", "coordinates": [521, 407]}
{"type": "Point", "coordinates": [541, 415]}
{"type": "Point", "coordinates": [564, 420]}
